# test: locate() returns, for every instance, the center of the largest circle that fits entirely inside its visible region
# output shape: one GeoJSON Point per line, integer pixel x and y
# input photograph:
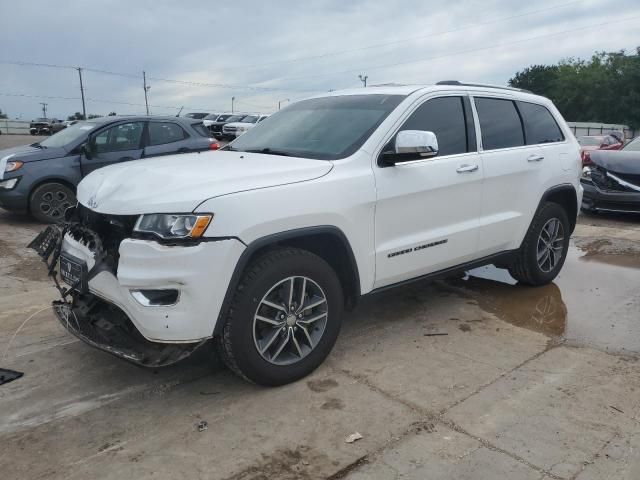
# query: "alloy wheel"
{"type": "Point", "coordinates": [54, 203]}
{"type": "Point", "coordinates": [550, 245]}
{"type": "Point", "coordinates": [290, 320]}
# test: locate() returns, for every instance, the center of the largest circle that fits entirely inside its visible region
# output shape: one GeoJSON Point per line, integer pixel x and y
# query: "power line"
{"type": "Point", "coordinates": [100, 100]}
{"type": "Point", "coordinates": [461, 52]}
{"type": "Point", "coordinates": [403, 40]}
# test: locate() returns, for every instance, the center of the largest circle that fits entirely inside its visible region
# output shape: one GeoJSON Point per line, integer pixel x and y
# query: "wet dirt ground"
{"type": "Point", "coordinates": [469, 378]}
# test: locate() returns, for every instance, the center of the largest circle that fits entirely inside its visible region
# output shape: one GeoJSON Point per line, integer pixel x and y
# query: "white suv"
{"type": "Point", "coordinates": [235, 129]}
{"type": "Point", "coordinates": [262, 245]}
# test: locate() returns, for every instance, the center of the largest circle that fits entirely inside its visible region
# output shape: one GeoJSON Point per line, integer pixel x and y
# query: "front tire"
{"type": "Point", "coordinates": [49, 201]}
{"type": "Point", "coordinates": [544, 248]}
{"type": "Point", "coordinates": [284, 318]}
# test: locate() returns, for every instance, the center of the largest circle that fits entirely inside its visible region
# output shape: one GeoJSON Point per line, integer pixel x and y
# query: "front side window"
{"type": "Point", "coordinates": [326, 128]}
{"type": "Point", "coordinates": [445, 117]}
{"type": "Point", "coordinates": [500, 123]}
{"type": "Point", "coordinates": [126, 136]}
{"type": "Point", "coordinates": [539, 124]}
{"type": "Point", "coordinates": [165, 132]}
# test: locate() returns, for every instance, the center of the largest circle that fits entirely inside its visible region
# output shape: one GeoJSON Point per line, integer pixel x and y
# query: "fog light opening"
{"type": "Point", "coordinates": [156, 298]}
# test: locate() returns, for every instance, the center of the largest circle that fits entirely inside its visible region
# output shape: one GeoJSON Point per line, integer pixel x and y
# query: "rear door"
{"type": "Point", "coordinates": [119, 143]}
{"type": "Point", "coordinates": [166, 138]}
{"type": "Point", "coordinates": [427, 210]}
{"type": "Point", "coordinates": [519, 144]}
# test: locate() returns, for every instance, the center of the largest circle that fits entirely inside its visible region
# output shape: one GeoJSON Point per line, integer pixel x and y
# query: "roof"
{"type": "Point", "coordinates": [133, 118]}
{"type": "Point", "coordinates": [449, 85]}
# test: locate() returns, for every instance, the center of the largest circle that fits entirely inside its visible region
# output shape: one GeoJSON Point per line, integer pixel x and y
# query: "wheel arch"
{"type": "Point", "coordinates": [564, 195]}
{"type": "Point", "coordinates": [327, 241]}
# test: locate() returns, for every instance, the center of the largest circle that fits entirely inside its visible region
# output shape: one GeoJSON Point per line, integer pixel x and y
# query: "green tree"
{"type": "Point", "coordinates": [605, 88]}
{"type": "Point", "coordinates": [76, 116]}
{"type": "Point", "coordinates": [3, 115]}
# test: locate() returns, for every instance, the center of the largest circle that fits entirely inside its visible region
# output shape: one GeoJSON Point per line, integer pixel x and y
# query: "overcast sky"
{"type": "Point", "coordinates": [264, 52]}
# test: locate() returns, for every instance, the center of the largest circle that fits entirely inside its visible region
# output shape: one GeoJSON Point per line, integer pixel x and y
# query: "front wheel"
{"type": "Point", "coordinates": [284, 318]}
{"type": "Point", "coordinates": [544, 248]}
{"type": "Point", "coordinates": [49, 201]}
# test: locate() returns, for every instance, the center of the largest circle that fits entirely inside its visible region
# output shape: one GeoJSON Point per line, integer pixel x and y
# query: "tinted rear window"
{"type": "Point", "coordinates": [539, 124]}
{"type": "Point", "coordinates": [500, 123]}
{"type": "Point", "coordinates": [201, 129]}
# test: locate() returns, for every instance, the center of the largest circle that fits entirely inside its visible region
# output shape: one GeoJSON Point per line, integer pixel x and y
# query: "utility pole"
{"type": "Point", "coordinates": [363, 79]}
{"type": "Point", "coordinates": [146, 89]}
{"type": "Point", "coordinates": [280, 101]}
{"type": "Point", "coordinates": [44, 109]}
{"type": "Point", "coordinates": [84, 110]}
{"type": "Point", "coordinates": [233, 99]}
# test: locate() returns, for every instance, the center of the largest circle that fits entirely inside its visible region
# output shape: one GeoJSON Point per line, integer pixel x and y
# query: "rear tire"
{"type": "Point", "coordinates": [269, 337]}
{"type": "Point", "coordinates": [49, 201]}
{"type": "Point", "coordinates": [544, 249]}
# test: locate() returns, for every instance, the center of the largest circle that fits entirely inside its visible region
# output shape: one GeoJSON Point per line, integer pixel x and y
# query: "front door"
{"type": "Point", "coordinates": [427, 210]}
{"type": "Point", "coordinates": [119, 143]}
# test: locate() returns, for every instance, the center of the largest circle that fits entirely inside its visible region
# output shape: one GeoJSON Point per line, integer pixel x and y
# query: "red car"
{"type": "Point", "coordinates": [597, 142]}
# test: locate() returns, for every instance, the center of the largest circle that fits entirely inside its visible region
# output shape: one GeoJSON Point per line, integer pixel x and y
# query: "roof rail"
{"type": "Point", "coordinates": [486, 85]}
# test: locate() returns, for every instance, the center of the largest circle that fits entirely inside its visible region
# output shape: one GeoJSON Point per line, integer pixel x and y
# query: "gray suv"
{"type": "Point", "coordinates": [41, 178]}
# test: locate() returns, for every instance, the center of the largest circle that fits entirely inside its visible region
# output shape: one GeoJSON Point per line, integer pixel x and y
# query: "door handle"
{"type": "Point", "coordinates": [535, 158]}
{"type": "Point", "coordinates": [467, 168]}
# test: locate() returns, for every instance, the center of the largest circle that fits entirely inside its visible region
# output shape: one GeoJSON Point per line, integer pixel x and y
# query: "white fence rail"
{"type": "Point", "coordinates": [14, 127]}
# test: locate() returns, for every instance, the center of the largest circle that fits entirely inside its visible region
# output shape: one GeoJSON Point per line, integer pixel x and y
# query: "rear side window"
{"type": "Point", "coordinates": [165, 132]}
{"type": "Point", "coordinates": [445, 117]}
{"type": "Point", "coordinates": [500, 123]}
{"type": "Point", "coordinates": [201, 129]}
{"type": "Point", "coordinates": [539, 124]}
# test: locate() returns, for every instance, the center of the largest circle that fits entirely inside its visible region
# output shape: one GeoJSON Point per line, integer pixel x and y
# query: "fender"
{"type": "Point", "coordinates": [279, 239]}
{"type": "Point", "coordinates": [556, 191]}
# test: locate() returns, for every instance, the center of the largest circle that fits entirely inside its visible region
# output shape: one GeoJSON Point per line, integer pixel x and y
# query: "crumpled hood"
{"type": "Point", "coordinates": [179, 183]}
{"type": "Point", "coordinates": [617, 161]}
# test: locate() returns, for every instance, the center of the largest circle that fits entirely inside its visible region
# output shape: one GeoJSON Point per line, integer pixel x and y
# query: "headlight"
{"type": "Point", "coordinates": [586, 173]}
{"type": "Point", "coordinates": [13, 166]}
{"type": "Point", "coordinates": [174, 225]}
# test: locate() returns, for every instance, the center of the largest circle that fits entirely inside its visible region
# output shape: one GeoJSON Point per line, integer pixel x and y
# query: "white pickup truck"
{"type": "Point", "coordinates": [262, 245]}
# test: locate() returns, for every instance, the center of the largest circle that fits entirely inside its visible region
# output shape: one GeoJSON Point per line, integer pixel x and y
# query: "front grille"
{"type": "Point", "coordinates": [111, 229]}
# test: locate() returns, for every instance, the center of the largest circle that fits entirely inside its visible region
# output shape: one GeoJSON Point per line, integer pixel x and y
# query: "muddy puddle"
{"type": "Point", "coordinates": [595, 301]}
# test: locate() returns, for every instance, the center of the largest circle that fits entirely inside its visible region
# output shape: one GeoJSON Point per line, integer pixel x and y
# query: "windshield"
{"type": "Point", "coordinates": [223, 118]}
{"type": "Point", "coordinates": [234, 118]}
{"type": "Point", "coordinates": [211, 116]}
{"type": "Point", "coordinates": [325, 128]}
{"type": "Point", "coordinates": [633, 145]}
{"type": "Point", "coordinates": [68, 135]}
{"type": "Point", "coordinates": [250, 119]}
{"type": "Point", "coordinates": [590, 141]}
{"type": "Point", "coordinates": [196, 115]}
{"type": "Point", "coordinates": [41, 120]}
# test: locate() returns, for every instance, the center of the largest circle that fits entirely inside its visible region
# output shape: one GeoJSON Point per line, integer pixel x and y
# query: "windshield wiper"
{"type": "Point", "coordinates": [37, 145]}
{"type": "Point", "coordinates": [269, 151]}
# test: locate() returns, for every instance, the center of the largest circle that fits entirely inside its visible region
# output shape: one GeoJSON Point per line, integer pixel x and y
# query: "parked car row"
{"type": "Point", "coordinates": [48, 126]}
{"type": "Point", "coordinates": [227, 126]}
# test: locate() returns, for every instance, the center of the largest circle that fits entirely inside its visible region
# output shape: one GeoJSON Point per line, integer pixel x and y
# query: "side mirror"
{"type": "Point", "coordinates": [86, 150]}
{"type": "Point", "coordinates": [411, 145]}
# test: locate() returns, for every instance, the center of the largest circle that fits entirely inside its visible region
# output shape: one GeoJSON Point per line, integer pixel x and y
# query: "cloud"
{"type": "Point", "coordinates": [281, 50]}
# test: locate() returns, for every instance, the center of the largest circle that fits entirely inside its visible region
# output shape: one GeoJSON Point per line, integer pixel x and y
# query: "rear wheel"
{"type": "Point", "coordinates": [284, 318]}
{"type": "Point", "coordinates": [49, 201]}
{"type": "Point", "coordinates": [544, 248]}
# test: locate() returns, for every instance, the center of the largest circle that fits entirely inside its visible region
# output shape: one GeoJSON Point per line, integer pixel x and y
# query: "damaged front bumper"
{"type": "Point", "coordinates": [105, 310]}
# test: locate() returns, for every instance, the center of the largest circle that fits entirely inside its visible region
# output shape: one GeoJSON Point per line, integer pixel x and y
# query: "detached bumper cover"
{"type": "Point", "coordinates": [595, 198]}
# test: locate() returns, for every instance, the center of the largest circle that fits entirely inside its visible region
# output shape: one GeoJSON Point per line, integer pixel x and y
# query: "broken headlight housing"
{"type": "Point", "coordinates": [172, 225]}
{"type": "Point", "coordinates": [586, 173]}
